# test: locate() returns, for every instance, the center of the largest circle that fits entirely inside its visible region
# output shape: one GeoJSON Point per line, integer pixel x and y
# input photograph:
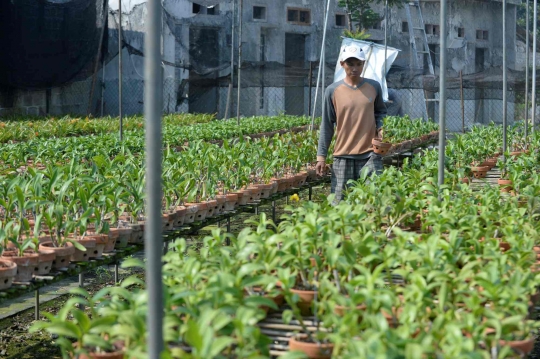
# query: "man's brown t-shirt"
{"type": "Point", "coordinates": [356, 113]}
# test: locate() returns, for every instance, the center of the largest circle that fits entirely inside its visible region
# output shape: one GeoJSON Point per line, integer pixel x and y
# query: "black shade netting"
{"type": "Point", "coordinates": [45, 43]}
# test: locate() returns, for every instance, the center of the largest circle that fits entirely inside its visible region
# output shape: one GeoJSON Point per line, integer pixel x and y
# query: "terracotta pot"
{"type": "Point", "coordinates": [274, 186]}
{"type": "Point", "coordinates": [180, 216]}
{"type": "Point", "coordinates": [8, 271]}
{"type": "Point", "coordinates": [137, 233]}
{"type": "Point", "coordinates": [124, 235]}
{"type": "Point", "coordinates": [379, 147]}
{"type": "Point", "coordinates": [312, 175]}
{"type": "Point", "coordinates": [25, 264]}
{"type": "Point", "coordinates": [312, 350]}
{"type": "Point", "coordinates": [191, 211]}
{"type": "Point", "coordinates": [516, 153]}
{"type": "Point", "coordinates": [84, 256]}
{"type": "Point", "coordinates": [505, 185]}
{"type": "Point", "coordinates": [465, 180]}
{"type": "Point", "coordinates": [266, 189]}
{"type": "Point", "coordinates": [243, 196]}
{"type": "Point", "coordinates": [202, 210]}
{"type": "Point", "coordinates": [63, 254]}
{"type": "Point", "coordinates": [300, 179]}
{"type": "Point", "coordinates": [101, 243]}
{"type": "Point", "coordinates": [221, 200]}
{"type": "Point", "coordinates": [306, 298]}
{"type": "Point", "coordinates": [282, 184]}
{"type": "Point", "coordinates": [521, 346]}
{"type": "Point", "coordinates": [480, 171]}
{"type": "Point", "coordinates": [211, 210]}
{"type": "Point", "coordinates": [117, 354]}
{"type": "Point", "coordinates": [46, 259]}
{"type": "Point", "coordinates": [255, 193]}
{"type": "Point", "coordinates": [231, 201]}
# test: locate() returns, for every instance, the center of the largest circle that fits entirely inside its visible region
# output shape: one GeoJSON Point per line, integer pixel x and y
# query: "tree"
{"type": "Point", "coordinates": [361, 13]}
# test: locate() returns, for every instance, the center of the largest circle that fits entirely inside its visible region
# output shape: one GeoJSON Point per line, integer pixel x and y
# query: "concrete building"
{"type": "Point", "coordinates": [279, 40]}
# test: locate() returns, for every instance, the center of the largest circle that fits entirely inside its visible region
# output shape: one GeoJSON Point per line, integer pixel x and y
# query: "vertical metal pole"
{"type": "Point", "coordinates": [81, 284]}
{"type": "Point", "coordinates": [321, 67]}
{"type": "Point", "coordinates": [103, 88]}
{"type": "Point", "coordinates": [240, 9]}
{"type": "Point", "coordinates": [274, 211]}
{"type": "Point", "coordinates": [533, 87]}
{"type": "Point", "coordinates": [36, 306]}
{"type": "Point", "coordinates": [462, 102]}
{"type": "Point", "coordinates": [310, 193]}
{"type": "Point", "coordinates": [120, 69]}
{"type": "Point", "coordinates": [229, 94]}
{"type": "Point", "coordinates": [527, 62]}
{"type": "Point", "coordinates": [116, 277]}
{"type": "Point", "coordinates": [153, 105]}
{"type": "Point", "coordinates": [310, 86]}
{"type": "Point", "coordinates": [385, 38]}
{"type": "Point", "coordinates": [442, 92]}
{"type": "Point", "coordinates": [505, 84]}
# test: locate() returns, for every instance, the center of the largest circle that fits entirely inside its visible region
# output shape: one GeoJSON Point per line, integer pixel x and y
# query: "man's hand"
{"type": "Point", "coordinates": [320, 168]}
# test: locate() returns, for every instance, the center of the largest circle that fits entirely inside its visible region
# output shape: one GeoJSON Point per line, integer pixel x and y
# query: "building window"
{"type": "Point", "coordinates": [376, 25]}
{"type": "Point", "coordinates": [341, 20]}
{"type": "Point", "coordinates": [259, 13]}
{"type": "Point", "coordinates": [482, 35]}
{"type": "Point", "coordinates": [461, 32]}
{"type": "Point", "coordinates": [196, 8]}
{"type": "Point", "coordinates": [404, 26]}
{"type": "Point", "coordinates": [299, 16]}
{"type": "Point", "coordinates": [432, 29]}
{"type": "Point", "coordinates": [212, 10]}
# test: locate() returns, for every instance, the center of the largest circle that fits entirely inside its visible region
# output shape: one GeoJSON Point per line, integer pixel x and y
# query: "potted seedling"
{"type": "Point", "coordinates": [91, 331]}
{"type": "Point", "coordinates": [23, 253]}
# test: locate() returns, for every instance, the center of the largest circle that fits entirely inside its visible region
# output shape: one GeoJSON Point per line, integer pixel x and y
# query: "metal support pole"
{"type": "Point", "coordinates": [527, 63]}
{"type": "Point", "coordinates": [310, 193]}
{"type": "Point", "coordinates": [310, 79]}
{"type": "Point", "coordinates": [36, 305]}
{"type": "Point", "coordinates": [103, 89]}
{"type": "Point", "coordinates": [505, 83]}
{"type": "Point", "coordinates": [153, 100]}
{"type": "Point", "coordinates": [321, 67]}
{"type": "Point", "coordinates": [256, 210]}
{"type": "Point", "coordinates": [442, 89]}
{"type": "Point", "coordinates": [81, 284]}
{"type": "Point", "coordinates": [274, 211]}
{"type": "Point", "coordinates": [533, 87]}
{"type": "Point", "coordinates": [165, 248]}
{"type": "Point", "coordinates": [120, 69]}
{"type": "Point", "coordinates": [462, 102]}
{"type": "Point", "coordinates": [116, 277]}
{"type": "Point", "coordinates": [240, 8]}
{"type": "Point", "coordinates": [385, 38]}
{"type": "Point", "coordinates": [230, 93]}
{"type": "Point", "coordinates": [228, 224]}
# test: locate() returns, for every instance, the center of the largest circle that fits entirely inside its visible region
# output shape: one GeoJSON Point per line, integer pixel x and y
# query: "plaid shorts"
{"type": "Point", "coordinates": [344, 170]}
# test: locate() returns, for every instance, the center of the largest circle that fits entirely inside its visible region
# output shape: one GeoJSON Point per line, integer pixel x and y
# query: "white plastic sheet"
{"type": "Point", "coordinates": [374, 68]}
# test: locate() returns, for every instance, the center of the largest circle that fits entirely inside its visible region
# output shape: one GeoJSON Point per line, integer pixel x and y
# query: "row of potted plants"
{"type": "Point", "coordinates": [400, 268]}
{"type": "Point", "coordinates": [24, 128]}
{"type": "Point", "coordinates": [404, 134]}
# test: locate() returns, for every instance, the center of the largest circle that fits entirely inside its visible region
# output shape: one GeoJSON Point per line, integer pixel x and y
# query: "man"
{"type": "Point", "coordinates": [393, 106]}
{"type": "Point", "coordinates": [355, 107]}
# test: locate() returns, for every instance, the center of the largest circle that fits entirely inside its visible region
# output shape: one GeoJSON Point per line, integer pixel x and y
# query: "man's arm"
{"type": "Point", "coordinates": [380, 107]}
{"type": "Point", "coordinates": [327, 126]}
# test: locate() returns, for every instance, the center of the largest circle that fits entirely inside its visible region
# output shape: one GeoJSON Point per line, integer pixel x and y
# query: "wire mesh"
{"type": "Point", "coordinates": [279, 72]}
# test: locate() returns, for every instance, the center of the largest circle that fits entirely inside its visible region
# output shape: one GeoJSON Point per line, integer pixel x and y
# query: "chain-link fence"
{"type": "Point", "coordinates": [275, 76]}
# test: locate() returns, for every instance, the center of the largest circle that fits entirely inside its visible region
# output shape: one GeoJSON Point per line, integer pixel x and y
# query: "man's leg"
{"type": "Point", "coordinates": [342, 171]}
{"type": "Point", "coordinates": [372, 165]}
